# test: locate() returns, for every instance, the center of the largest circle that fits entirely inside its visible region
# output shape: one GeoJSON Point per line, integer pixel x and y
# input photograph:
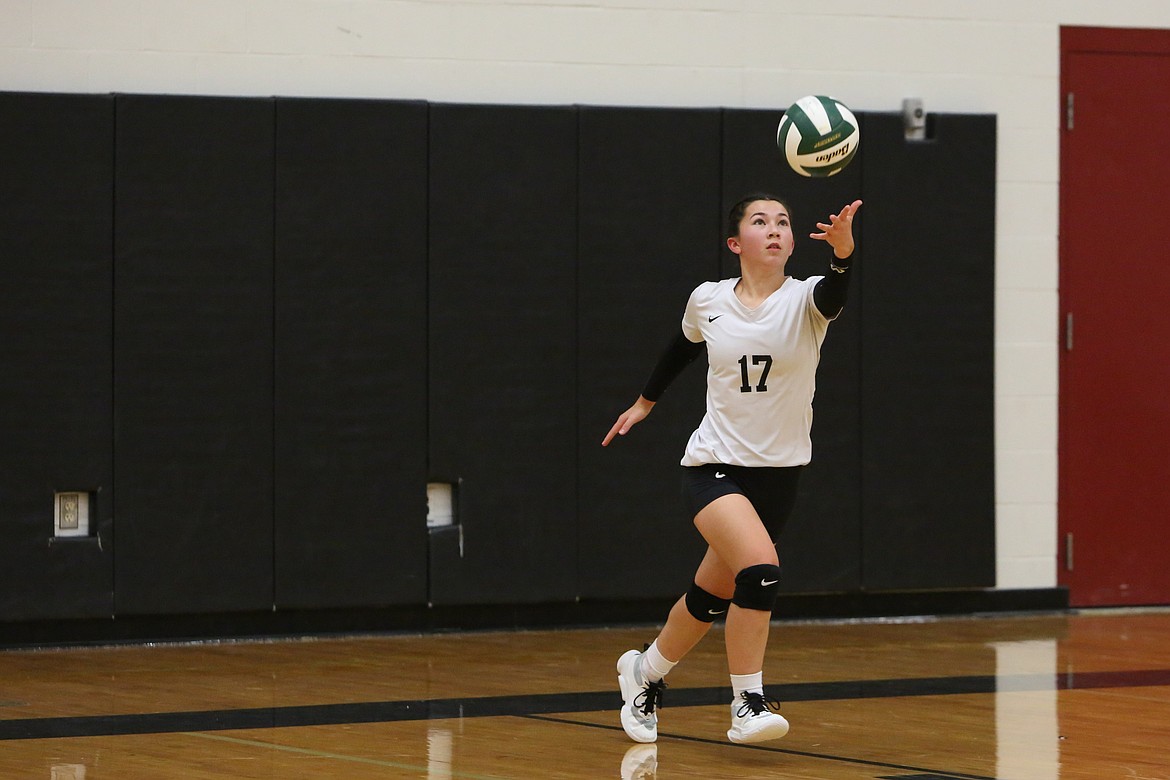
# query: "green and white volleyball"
{"type": "Point", "coordinates": [818, 135]}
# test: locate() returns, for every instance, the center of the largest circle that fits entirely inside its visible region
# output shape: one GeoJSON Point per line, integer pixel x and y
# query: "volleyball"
{"type": "Point", "coordinates": [818, 135]}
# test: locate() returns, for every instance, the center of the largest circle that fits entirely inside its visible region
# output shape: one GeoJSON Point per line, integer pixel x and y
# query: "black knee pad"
{"type": "Point", "coordinates": [757, 587]}
{"type": "Point", "coordinates": [705, 606]}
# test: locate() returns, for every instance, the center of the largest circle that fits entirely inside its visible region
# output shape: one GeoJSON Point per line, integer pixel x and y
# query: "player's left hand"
{"type": "Point", "coordinates": [838, 232]}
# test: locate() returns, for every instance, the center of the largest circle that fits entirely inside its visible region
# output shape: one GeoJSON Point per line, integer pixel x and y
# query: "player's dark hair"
{"type": "Point", "coordinates": [737, 211]}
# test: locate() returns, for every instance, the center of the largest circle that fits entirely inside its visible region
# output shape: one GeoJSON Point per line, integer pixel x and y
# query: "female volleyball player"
{"type": "Point", "coordinates": [762, 333]}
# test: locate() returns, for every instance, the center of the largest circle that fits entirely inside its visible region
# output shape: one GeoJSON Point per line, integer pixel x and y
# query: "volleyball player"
{"type": "Point", "coordinates": [762, 333]}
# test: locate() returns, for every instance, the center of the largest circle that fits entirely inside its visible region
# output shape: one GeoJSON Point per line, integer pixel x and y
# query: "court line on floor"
{"type": "Point", "coordinates": [769, 749]}
{"type": "Point", "coordinates": [546, 703]}
{"type": "Point", "coordinates": [452, 772]}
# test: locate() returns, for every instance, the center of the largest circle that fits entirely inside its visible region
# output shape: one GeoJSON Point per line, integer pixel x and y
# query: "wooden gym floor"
{"type": "Point", "coordinates": [1029, 697]}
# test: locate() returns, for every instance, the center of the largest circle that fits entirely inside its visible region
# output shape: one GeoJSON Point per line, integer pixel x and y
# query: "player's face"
{"type": "Point", "coordinates": [765, 233]}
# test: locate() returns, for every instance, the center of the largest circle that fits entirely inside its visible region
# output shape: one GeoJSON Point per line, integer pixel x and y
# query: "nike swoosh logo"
{"type": "Point", "coordinates": [712, 319]}
{"type": "Point", "coordinates": [719, 475]}
{"type": "Point", "coordinates": [716, 611]}
{"type": "Point", "coordinates": [766, 583]}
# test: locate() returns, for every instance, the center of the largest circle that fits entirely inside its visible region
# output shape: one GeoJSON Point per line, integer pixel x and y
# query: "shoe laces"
{"type": "Point", "coordinates": [651, 698]}
{"type": "Point", "coordinates": [755, 704]}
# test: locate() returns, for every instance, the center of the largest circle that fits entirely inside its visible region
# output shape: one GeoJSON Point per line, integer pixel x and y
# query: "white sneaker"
{"type": "Point", "coordinates": [753, 719]}
{"type": "Point", "coordinates": [642, 698]}
{"type": "Point", "coordinates": [640, 763]}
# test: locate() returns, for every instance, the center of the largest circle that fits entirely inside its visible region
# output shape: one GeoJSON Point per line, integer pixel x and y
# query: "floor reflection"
{"type": "Point", "coordinates": [1026, 722]}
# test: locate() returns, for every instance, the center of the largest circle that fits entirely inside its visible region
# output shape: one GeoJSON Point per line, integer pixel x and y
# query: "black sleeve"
{"type": "Point", "coordinates": [830, 293]}
{"type": "Point", "coordinates": [679, 354]}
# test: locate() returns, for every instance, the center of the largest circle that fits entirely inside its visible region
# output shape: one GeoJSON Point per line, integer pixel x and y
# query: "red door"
{"type": "Point", "coordinates": [1114, 512]}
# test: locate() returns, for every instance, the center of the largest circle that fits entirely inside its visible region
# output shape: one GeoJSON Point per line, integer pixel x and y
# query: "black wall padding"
{"type": "Point", "coordinates": [503, 330]}
{"type": "Point", "coordinates": [255, 329]}
{"type": "Point", "coordinates": [928, 354]}
{"type": "Point", "coordinates": [351, 382]}
{"type": "Point", "coordinates": [56, 152]}
{"type": "Point", "coordinates": [649, 233]}
{"type": "Point", "coordinates": [193, 354]}
{"type": "Point", "coordinates": [821, 548]}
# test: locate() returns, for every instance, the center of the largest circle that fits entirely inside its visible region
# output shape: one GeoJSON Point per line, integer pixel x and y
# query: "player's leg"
{"type": "Point", "coordinates": [735, 533]}
{"type": "Point", "coordinates": [640, 674]}
{"type": "Point", "coordinates": [739, 540]}
{"type": "Point", "coordinates": [691, 617]}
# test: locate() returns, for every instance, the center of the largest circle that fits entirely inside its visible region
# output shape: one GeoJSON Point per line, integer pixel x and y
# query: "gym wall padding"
{"type": "Point", "coordinates": [502, 349]}
{"type": "Point", "coordinates": [821, 548]}
{"type": "Point", "coordinates": [648, 226]}
{"type": "Point", "coordinates": [56, 416]}
{"type": "Point", "coordinates": [928, 354]}
{"type": "Point", "coordinates": [257, 328]}
{"type": "Point", "coordinates": [351, 362]}
{"type": "Point", "coordinates": [193, 354]}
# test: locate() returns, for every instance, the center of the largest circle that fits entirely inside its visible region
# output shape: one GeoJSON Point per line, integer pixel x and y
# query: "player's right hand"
{"type": "Point", "coordinates": [628, 419]}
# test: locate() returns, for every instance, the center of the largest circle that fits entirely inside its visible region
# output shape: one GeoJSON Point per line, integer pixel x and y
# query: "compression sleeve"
{"type": "Point", "coordinates": [679, 354]}
{"type": "Point", "coordinates": [831, 291]}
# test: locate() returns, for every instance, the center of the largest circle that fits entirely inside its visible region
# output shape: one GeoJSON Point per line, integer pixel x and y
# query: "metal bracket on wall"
{"type": "Point", "coordinates": [914, 119]}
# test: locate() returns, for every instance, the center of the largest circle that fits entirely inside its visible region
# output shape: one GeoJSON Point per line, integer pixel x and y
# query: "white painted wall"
{"type": "Point", "coordinates": [991, 56]}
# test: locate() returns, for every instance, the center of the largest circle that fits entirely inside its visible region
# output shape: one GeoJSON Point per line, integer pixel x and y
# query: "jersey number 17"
{"type": "Point", "coordinates": [762, 384]}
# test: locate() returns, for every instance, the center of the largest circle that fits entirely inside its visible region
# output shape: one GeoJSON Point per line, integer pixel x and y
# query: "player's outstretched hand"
{"type": "Point", "coordinates": [628, 419]}
{"type": "Point", "coordinates": [838, 232]}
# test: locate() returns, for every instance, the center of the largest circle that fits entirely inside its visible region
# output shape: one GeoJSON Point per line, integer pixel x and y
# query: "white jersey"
{"type": "Point", "coordinates": [761, 376]}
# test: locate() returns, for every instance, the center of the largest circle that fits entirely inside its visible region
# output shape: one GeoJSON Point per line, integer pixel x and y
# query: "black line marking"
{"type": "Point", "coordinates": [548, 703]}
{"type": "Point", "coordinates": [920, 773]}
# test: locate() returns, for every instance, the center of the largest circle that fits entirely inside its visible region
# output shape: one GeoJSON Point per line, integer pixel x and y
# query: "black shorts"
{"type": "Point", "coordinates": [771, 491]}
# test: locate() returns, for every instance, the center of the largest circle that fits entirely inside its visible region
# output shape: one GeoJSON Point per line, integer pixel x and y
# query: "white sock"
{"type": "Point", "coordinates": [751, 683]}
{"type": "Point", "coordinates": [654, 664]}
